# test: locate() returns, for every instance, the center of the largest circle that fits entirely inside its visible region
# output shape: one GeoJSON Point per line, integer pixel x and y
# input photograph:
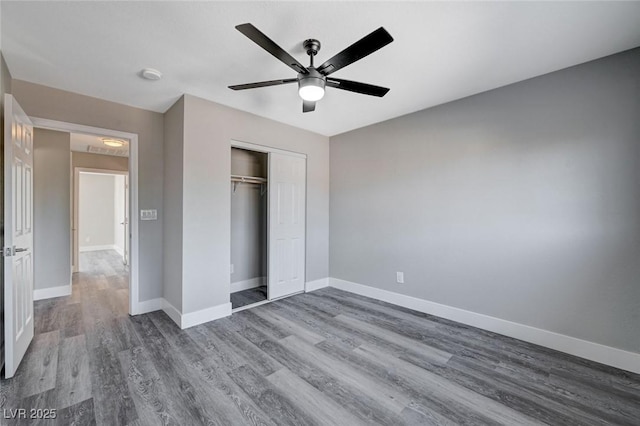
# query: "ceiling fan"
{"type": "Point", "coordinates": [313, 80]}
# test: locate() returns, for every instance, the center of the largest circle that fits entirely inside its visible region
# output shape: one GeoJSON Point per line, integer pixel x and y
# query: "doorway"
{"type": "Point", "coordinates": [100, 218]}
{"type": "Point", "coordinates": [268, 224]}
{"type": "Point", "coordinates": [131, 197]}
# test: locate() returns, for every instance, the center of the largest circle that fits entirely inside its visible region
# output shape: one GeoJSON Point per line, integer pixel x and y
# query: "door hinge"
{"type": "Point", "coordinates": [7, 252]}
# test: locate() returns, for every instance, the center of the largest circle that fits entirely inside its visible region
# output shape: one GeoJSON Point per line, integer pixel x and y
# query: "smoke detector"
{"type": "Point", "coordinates": [150, 74]}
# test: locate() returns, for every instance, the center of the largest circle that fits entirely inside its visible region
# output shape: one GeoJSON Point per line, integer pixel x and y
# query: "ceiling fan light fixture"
{"type": "Point", "coordinates": [311, 80]}
{"type": "Point", "coordinates": [311, 89]}
{"type": "Point", "coordinates": [115, 143]}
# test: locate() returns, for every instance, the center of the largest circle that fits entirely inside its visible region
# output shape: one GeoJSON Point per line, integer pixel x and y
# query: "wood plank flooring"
{"type": "Point", "coordinates": [323, 358]}
{"type": "Point", "coordinates": [248, 296]}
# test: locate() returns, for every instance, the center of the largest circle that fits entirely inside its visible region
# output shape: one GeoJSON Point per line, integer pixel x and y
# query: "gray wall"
{"type": "Point", "coordinates": [208, 131]}
{"type": "Point", "coordinates": [45, 102]}
{"type": "Point", "coordinates": [98, 161]}
{"type": "Point", "coordinates": [51, 208]}
{"type": "Point", "coordinates": [522, 203]}
{"type": "Point", "coordinates": [172, 224]}
{"type": "Point", "coordinates": [96, 210]}
{"type": "Point", "coordinates": [248, 217]}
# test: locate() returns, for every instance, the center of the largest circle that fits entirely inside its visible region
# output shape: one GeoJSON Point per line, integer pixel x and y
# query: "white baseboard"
{"type": "Point", "coordinates": [247, 284]}
{"type": "Point", "coordinates": [48, 293]}
{"type": "Point", "coordinates": [198, 317]}
{"type": "Point", "coordinates": [205, 315]}
{"type": "Point", "coordinates": [316, 285]}
{"type": "Point", "coordinates": [118, 250]}
{"type": "Point", "coordinates": [172, 311]}
{"type": "Point", "coordinates": [614, 357]}
{"type": "Point", "coordinates": [147, 306]}
{"type": "Point", "coordinates": [97, 248]}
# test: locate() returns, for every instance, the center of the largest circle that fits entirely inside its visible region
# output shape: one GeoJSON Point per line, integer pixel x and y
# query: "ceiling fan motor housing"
{"type": "Point", "coordinates": [312, 46]}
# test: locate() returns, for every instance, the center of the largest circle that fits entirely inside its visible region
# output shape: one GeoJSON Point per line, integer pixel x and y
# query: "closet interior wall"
{"type": "Point", "coordinates": [248, 221]}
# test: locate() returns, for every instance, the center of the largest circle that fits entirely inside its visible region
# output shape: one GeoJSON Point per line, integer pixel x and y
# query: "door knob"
{"type": "Point", "coordinates": [20, 250]}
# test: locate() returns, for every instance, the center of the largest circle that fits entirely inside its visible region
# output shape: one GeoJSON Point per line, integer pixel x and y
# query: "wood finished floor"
{"type": "Point", "coordinates": [323, 358]}
{"type": "Point", "coordinates": [248, 296]}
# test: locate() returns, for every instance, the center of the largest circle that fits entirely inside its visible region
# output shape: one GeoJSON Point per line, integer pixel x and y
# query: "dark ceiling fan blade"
{"type": "Point", "coordinates": [355, 86]}
{"type": "Point", "coordinates": [308, 106]}
{"type": "Point", "coordinates": [358, 50]}
{"type": "Point", "coordinates": [263, 84]}
{"type": "Point", "coordinates": [270, 46]}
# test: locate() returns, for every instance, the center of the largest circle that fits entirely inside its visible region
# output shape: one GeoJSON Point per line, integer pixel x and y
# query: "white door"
{"type": "Point", "coordinates": [18, 236]}
{"type": "Point", "coordinates": [126, 220]}
{"type": "Point", "coordinates": [287, 200]}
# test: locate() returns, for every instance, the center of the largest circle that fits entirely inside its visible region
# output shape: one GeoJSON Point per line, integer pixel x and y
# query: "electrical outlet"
{"type": "Point", "coordinates": [400, 277]}
{"type": "Point", "coordinates": [232, 268]}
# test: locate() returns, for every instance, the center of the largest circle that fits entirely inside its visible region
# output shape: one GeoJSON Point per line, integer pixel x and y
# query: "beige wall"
{"type": "Point", "coordinates": [208, 131]}
{"type": "Point", "coordinates": [51, 209]}
{"type": "Point", "coordinates": [45, 102]}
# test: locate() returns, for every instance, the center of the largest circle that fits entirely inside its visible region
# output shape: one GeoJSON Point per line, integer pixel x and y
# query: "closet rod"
{"type": "Point", "coordinates": [236, 179]}
{"type": "Point", "coordinates": [247, 179]}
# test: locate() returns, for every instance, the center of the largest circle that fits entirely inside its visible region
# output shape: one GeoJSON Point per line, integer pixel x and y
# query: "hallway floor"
{"type": "Point", "coordinates": [63, 368]}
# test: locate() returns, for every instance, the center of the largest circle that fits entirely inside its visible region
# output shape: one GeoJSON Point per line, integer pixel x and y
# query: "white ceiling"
{"type": "Point", "coordinates": [442, 50]}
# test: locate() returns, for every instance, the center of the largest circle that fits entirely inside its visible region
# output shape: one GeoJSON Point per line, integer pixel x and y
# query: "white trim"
{"type": "Point", "coordinates": [316, 285]}
{"type": "Point", "coordinates": [152, 305]}
{"type": "Point", "coordinates": [198, 317]}
{"type": "Point", "coordinates": [247, 284]}
{"type": "Point", "coordinates": [264, 148]}
{"type": "Point", "coordinates": [120, 251]}
{"type": "Point", "coordinates": [172, 311]}
{"type": "Point", "coordinates": [205, 315]}
{"type": "Point", "coordinates": [51, 292]}
{"type": "Point", "coordinates": [45, 123]}
{"type": "Point", "coordinates": [251, 305]}
{"type": "Point", "coordinates": [614, 357]}
{"type": "Point", "coordinates": [134, 278]}
{"type": "Point", "coordinates": [98, 248]}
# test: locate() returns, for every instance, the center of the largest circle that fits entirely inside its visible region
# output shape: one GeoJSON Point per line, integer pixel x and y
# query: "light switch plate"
{"type": "Point", "coordinates": [149, 214]}
{"type": "Point", "coordinates": [400, 277]}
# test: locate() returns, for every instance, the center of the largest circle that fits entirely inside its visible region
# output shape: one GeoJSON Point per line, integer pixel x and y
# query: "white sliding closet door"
{"type": "Point", "coordinates": [287, 201]}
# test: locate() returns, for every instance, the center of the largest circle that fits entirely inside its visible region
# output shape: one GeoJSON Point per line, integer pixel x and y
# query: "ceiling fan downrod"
{"type": "Point", "coordinates": [312, 46]}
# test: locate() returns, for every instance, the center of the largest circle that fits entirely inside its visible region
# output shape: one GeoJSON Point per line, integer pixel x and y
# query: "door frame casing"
{"type": "Point", "coordinates": [76, 206]}
{"type": "Point", "coordinates": [263, 148]}
{"type": "Point", "coordinates": [134, 240]}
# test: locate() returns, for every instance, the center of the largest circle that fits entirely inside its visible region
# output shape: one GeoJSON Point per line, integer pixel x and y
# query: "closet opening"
{"type": "Point", "coordinates": [268, 224]}
{"type": "Point", "coordinates": [249, 224]}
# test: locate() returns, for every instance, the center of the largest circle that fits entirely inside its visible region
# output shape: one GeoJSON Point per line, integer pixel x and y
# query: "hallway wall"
{"type": "Point", "coordinates": [51, 209]}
